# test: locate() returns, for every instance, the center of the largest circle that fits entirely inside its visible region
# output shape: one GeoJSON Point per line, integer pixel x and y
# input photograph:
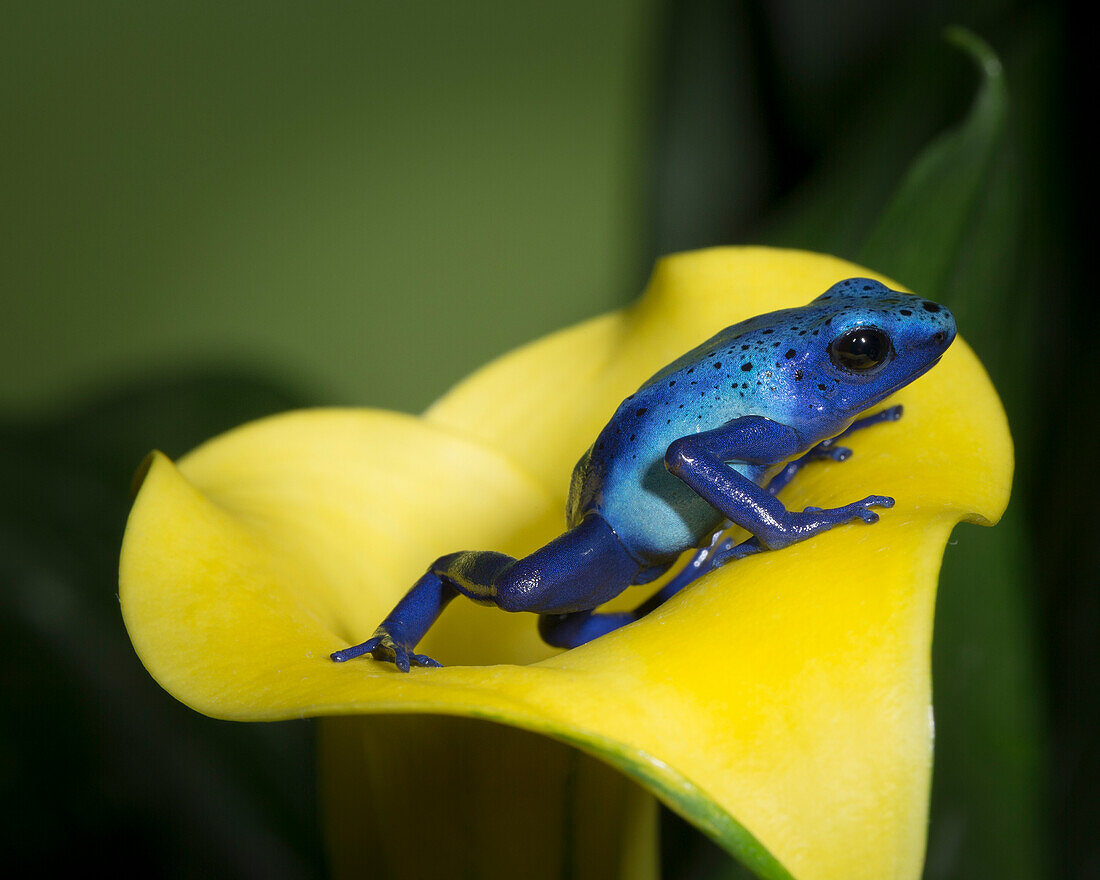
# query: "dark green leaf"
{"type": "Point", "coordinates": [922, 227]}
{"type": "Point", "coordinates": [106, 769]}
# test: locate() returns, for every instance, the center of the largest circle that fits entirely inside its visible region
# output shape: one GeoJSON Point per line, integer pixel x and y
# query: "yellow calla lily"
{"type": "Point", "coordinates": [782, 703]}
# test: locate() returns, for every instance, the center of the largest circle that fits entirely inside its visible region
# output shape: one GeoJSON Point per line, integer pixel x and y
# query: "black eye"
{"type": "Point", "coordinates": [861, 350]}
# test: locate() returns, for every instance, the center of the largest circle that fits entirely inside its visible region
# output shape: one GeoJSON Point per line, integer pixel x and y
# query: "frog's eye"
{"type": "Point", "coordinates": [861, 350]}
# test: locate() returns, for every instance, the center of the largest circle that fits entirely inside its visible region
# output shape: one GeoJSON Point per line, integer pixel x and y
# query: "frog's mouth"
{"type": "Point", "coordinates": [913, 376]}
{"type": "Point", "coordinates": [928, 366]}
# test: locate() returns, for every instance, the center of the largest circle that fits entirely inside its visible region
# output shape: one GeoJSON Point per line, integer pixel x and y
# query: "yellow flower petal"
{"type": "Point", "coordinates": [308, 527]}
{"type": "Point", "coordinates": [782, 703]}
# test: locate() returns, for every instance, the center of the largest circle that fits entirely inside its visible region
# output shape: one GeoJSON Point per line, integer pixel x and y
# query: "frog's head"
{"type": "Point", "coordinates": [873, 341]}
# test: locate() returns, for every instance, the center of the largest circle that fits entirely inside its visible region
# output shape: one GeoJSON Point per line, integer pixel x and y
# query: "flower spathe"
{"type": "Point", "coordinates": [782, 703]}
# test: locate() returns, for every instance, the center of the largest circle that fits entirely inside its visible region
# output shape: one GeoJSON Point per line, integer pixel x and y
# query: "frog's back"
{"type": "Point", "coordinates": [781, 366]}
{"type": "Point", "coordinates": [623, 477]}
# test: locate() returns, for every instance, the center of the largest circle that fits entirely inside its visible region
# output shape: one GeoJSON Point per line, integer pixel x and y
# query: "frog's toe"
{"type": "Point", "coordinates": [400, 659]}
{"type": "Point", "coordinates": [826, 451]}
{"type": "Point", "coordinates": [816, 519]}
{"type": "Point", "coordinates": [862, 509]}
{"type": "Point", "coordinates": [424, 660]}
{"type": "Point", "coordinates": [389, 651]}
{"type": "Point", "coordinates": [367, 647]}
{"type": "Point", "coordinates": [727, 551]}
{"type": "Point", "coordinates": [386, 649]}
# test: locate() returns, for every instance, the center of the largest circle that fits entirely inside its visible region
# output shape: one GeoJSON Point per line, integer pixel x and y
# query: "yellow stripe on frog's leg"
{"type": "Point", "coordinates": [578, 570]}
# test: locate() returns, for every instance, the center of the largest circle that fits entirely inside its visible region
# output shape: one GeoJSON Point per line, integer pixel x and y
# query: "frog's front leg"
{"type": "Point", "coordinates": [571, 630]}
{"type": "Point", "coordinates": [700, 460]}
{"type": "Point", "coordinates": [575, 572]}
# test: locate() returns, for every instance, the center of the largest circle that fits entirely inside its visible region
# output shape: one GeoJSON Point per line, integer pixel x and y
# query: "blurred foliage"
{"type": "Point", "coordinates": [988, 805]}
{"type": "Point", "coordinates": [850, 127]}
{"type": "Point", "coordinates": [374, 198]}
{"type": "Point", "coordinates": [100, 767]}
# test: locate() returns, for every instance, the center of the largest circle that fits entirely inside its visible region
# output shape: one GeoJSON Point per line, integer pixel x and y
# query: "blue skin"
{"type": "Point", "coordinates": [706, 442]}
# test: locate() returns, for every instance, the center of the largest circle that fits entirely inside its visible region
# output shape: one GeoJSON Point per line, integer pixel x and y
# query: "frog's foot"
{"type": "Point", "coordinates": [813, 520]}
{"type": "Point", "coordinates": [890, 414]}
{"type": "Point", "coordinates": [727, 551]}
{"type": "Point", "coordinates": [824, 451]}
{"type": "Point", "coordinates": [827, 450]}
{"type": "Point", "coordinates": [383, 646]}
{"type": "Point", "coordinates": [809, 522]}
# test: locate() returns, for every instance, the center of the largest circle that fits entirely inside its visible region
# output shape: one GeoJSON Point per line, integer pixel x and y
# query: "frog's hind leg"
{"type": "Point", "coordinates": [577, 571]}
{"type": "Point", "coordinates": [720, 550]}
{"type": "Point", "coordinates": [574, 629]}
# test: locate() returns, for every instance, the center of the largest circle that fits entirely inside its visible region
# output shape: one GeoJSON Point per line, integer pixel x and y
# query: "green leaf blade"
{"type": "Point", "coordinates": [918, 233]}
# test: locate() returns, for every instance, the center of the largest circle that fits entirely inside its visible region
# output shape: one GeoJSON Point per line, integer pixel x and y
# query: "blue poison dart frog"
{"type": "Point", "coordinates": [706, 442]}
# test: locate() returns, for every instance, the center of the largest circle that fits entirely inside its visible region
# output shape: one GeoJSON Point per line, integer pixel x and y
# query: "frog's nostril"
{"type": "Point", "coordinates": [939, 338]}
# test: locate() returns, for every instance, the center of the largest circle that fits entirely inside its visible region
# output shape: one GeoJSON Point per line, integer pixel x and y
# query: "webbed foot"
{"type": "Point", "coordinates": [383, 646]}
{"type": "Point", "coordinates": [829, 449]}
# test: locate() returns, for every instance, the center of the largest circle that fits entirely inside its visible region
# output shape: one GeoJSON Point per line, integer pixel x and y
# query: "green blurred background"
{"type": "Point", "coordinates": [215, 211]}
